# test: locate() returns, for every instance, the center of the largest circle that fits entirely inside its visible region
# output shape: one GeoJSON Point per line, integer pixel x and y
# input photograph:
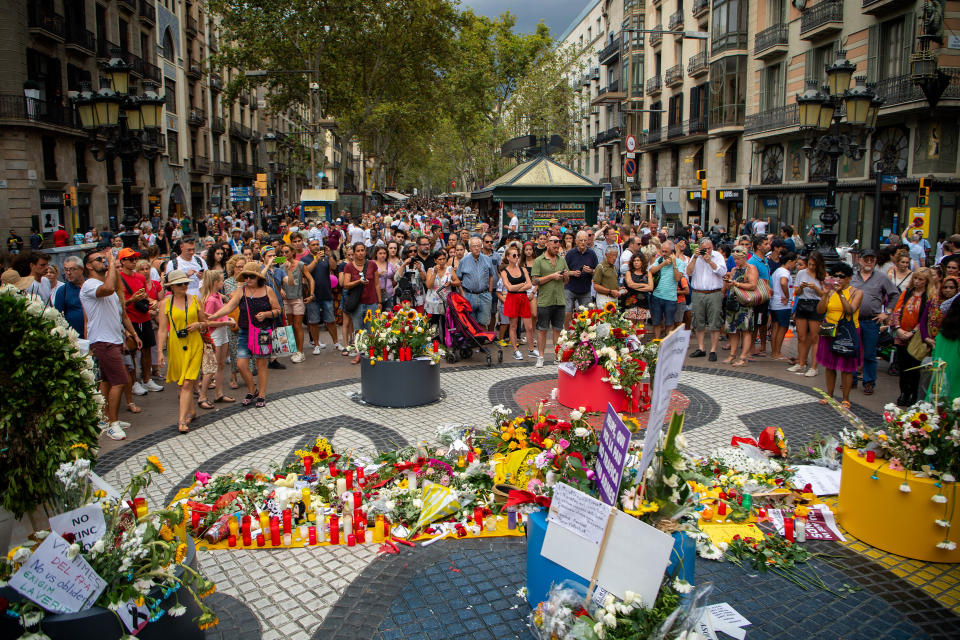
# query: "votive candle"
{"type": "Point", "coordinates": [334, 530]}
{"type": "Point", "coordinates": [312, 535]}
{"type": "Point", "coordinates": [287, 520]}
{"type": "Point", "coordinates": [351, 540]}
{"type": "Point", "coordinates": [347, 525]}
{"type": "Point", "coordinates": [361, 533]}
{"type": "Point", "coordinates": [871, 456]}
{"type": "Point", "coordinates": [341, 486]}
{"type": "Point", "coordinates": [307, 465]}
{"type": "Point", "coordinates": [333, 470]}
{"type": "Point", "coordinates": [360, 478]}
{"type": "Point", "coordinates": [491, 523]}
{"type": "Point", "coordinates": [478, 517]}
{"type": "Point", "coordinates": [378, 530]}
{"type": "Point", "coordinates": [287, 539]}
{"type": "Point", "coordinates": [788, 529]}
{"type": "Point", "coordinates": [261, 540]}
{"type": "Point", "coordinates": [349, 474]}
{"type": "Point", "coordinates": [232, 526]}
{"type": "Point", "coordinates": [264, 520]}
{"type": "Point", "coordinates": [357, 496]}
{"type": "Point", "coordinates": [231, 540]}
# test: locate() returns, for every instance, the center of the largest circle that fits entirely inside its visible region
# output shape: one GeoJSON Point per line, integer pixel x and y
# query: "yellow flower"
{"type": "Point", "coordinates": [610, 307]}
{"type": "Point", "coordinates": [79, 445]}
{"type": "Point", "coordinates": [372, 361]}
{"type": "Point", "coordinates": [505, 437]}
{"type": "Point", "coordinates": [155, 463]}
{"type": "Point", "coordinates": [513, 445]}
{"type": "Point", "coordinates": [166, 533]}
{"type": "Point", "coordinates": [547, 443]}
{"type": "Point", "coordinates": [140, 601]}
{"type": "Point", "coordinates": [181, 553]}
{"type": "Point", "coordinates": [882, 436]}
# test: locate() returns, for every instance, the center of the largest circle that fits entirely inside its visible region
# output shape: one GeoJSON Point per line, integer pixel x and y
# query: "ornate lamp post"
{"type": "Point", "coordinates": [122, 125]}
{"type": "Point", "coordinates": [837, 119]}
{"type": "Point", "coordinates": [924, 70]}
{"type": "Point", "coordinates": [270, 144]}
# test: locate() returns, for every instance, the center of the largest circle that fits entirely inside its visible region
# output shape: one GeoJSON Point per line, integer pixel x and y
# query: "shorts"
{"type": "Point", "coordinates": [243, 348]}
{"type": "Point", "coordinates": [707, 311]}
{"type": "Point", "coordinates": [662, 311]}
{"type": "Point", "coordinates": [294, 307]}
{"type": "Point", "coordinates": [320, 311]}
{"type": "Point", "coordinates": [110, 360]}
{"type": "Point", "coordinates": [220, 336]}
{"type": "Point", "coordinates": [145, 332]}
{"type": "Point", "coordinates": [806, 311]}
{"type": "Point", "coordinates": [575, 300]}
{"type": "Point", "coordinates": [682, 309]}
{"type": "Point", "coordinates": [548, 316]}
{"type": "Point", "coordinates": [781, 316]}
{"type": "Point", "coordinates": [517, 305]}
{"type": "Point", "coordinates": [760, 314]}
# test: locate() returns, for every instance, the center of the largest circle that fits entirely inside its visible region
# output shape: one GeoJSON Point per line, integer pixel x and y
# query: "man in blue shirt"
{"type": "Point", "coordinates": [761, 244]}
{"type": "Point", "coordinates": [581, 262]}
{"type": "Point", "coordinates": [663, 302]}
{"type": "Point", "coordinates": [477, 274]}
{"type": "Point", "coordinates": [67, 298]}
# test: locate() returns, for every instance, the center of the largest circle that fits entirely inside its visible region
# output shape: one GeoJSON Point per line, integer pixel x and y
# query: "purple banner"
{"type": "Point", "coordinates": [614, 442]}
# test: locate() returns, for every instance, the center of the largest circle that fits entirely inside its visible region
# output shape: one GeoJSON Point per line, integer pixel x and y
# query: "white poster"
{"type": "Point", "coordinates": [54, 581]}
{"type": "Point", "coordinates": [673, 351]}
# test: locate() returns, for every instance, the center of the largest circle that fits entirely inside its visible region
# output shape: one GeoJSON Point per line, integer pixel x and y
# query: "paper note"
{"type": "Point", "coordinates": [673, 350]}
{"type": "Point", "coordinates": [823, 481]}
{"type": "Point", "coordinates": [134, 618]}
{"type": "Point", "coordinates": [728, 620]}
{"type": "Point", "coordinates": [820, 525]}
{"type": "Point", "coordinates": [614, 441]}
{"type": "Point", "coordinates": [86, 523]}
{"type": "Point", "coordinates": [579, 513]}
{"type": "Point", "coordinates": [568, 368]}
{"type": "Point", "coordinates": [725, 532]}
{"type": "Point", "coordinates": [56, 583]}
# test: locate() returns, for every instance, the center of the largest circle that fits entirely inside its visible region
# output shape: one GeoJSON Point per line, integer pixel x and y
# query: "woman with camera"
{"type": "Point", "coordinates": [259, 309]}
{"type": "Point", "coordinates": [808, 287]}
{"type": "Point", "coordinates": [181, 321]}
{"type": "Point", "coordinates": [840, 303]}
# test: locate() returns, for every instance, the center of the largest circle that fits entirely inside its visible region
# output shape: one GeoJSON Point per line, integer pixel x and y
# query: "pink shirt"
{"type": "Point", "coordinates": [213, 303]}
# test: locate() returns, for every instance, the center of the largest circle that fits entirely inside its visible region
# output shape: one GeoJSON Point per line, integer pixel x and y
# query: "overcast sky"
{"type": "Point", "coordinates": [556, 14]}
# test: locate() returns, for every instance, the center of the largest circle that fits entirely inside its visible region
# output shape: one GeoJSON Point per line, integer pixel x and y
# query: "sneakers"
{"type": "Point", "coordinates": [811, 373]}
{"type": "Point", "coordinates": [797, 368]}
{"type": "Point", "coordinates": [139, 389]}
{"type": "Point", "coordinates": [539, 364]}
{"type": "Point", "coordinates": [150, 385]}
{"type": "Point", "coordinates": [115, 431]}
{"type": "Point", "coordinates": [275, 364]}
{"type": "Point", "coordinates": [317, 349]}
{"type": "Point", "coordinates": [339, 347]}
{"type": "Point", "coordinates": [297, 357]}
{"type": "Point", "coordinates": [503, 343]}
{"type": "Point", "coordinates": [699, 353]}
{"type": "Point", "coordinates": [123, 424]}
{"type": "Point", "coordinates": [517, 355]}
{"type": "Point", "coordinates": [534, 353]}
{"type": "Point", "coordinates": [713, 356]}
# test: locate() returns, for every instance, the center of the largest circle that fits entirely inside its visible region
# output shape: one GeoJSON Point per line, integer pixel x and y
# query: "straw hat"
{"type": "Point", "coordinates": [12, 276]}
{"type": "Point", "coordinates": [253, 269]}
{"type": "Point", "coordinates": [177, 277]}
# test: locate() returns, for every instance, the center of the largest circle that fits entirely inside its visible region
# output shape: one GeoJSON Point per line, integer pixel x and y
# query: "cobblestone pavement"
{"type": "Point", "coordinates": [347, 592]}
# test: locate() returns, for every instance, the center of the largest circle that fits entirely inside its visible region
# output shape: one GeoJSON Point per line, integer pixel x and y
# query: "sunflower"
{"type": "Point", "coordinates": [154, 462]}
{"type": "Point", "coordinates": [79, 445]}
{"type": "Point", "coordinates": [166, 533]}
{"type": "Point", "coordinates": [411, 315]}
{"type": "Point", "coordinates": [610, 307]}
{"type": "Point", "coordinates": [181, 552]}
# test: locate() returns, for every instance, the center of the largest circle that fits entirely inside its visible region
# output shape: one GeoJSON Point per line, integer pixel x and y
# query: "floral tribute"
{"type": "Point", "coordinates": [140, 556]}
{"type": "Point", "coordinates": [399, 334]}
{"type": "Point", "coordinates": [602, 337]}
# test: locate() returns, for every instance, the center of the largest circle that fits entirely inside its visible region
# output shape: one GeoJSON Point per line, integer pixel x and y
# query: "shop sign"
{"type": "Point", "coordinates": [51, 198]}
{"type": "Point", "coordinates": [818, 202]}
{"type": "Point", "coordinates": [694, 195]}
{"type": "Point", "coordinates": [771, 203]}
{"type": "Point", "coordinates": [730, 194]}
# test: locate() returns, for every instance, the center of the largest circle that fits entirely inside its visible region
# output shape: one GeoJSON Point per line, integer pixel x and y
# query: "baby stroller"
{"type": "Point", "coordinates": [461, 332]}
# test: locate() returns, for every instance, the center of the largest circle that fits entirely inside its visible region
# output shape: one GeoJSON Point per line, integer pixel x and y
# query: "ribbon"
{"type": "Point", "coordinates": [518, 497]}
{"type": "Point", "coordinates": [413, 465]}
{"type": "Point", "coordinates": [736, 441]}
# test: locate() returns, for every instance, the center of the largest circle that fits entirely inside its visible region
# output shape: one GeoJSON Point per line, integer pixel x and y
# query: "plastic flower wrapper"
{"type": "Point", "coordinates": [682, 623]}
{"type": "Point", "coordinates": [562, 615]}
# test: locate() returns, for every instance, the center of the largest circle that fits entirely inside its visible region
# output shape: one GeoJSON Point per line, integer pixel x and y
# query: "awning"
{"type": "Point", "coordinates": [318, 195]}
{"type": "Point", "coordinates": [393, 195]}
{"type": "Point", "coordinates": [670, 208]}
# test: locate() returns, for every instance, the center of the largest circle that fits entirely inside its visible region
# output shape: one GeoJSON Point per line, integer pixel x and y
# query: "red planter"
{"type": "Point", "coordinates": [586, 389]}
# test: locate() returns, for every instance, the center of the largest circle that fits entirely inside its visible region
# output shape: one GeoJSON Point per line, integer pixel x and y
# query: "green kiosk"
{"type": "Point", "coordinates": [539, 190]}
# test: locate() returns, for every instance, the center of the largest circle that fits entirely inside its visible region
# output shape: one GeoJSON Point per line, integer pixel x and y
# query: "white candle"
{"type": "Point", "coordinates": [347, 523]}
{"type": "Point", "coordinates": [411, 479]}
{"type": "Point", "coordinates": [341, 485]}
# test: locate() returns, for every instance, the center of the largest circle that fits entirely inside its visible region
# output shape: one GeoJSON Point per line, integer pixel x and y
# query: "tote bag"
{"type": "Point", "coordinates": [756, 297]}
{"type": "Point", "coordinates": [259, 341]}
{"type": "Point", "coordinates": [283, 341]}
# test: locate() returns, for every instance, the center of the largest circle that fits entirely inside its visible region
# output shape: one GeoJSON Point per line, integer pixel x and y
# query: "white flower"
{"type": "Point", "coordinates": [947, 545]}
{"type": "Point", "coordinates": [682, 586]}
{"type": "Point", "coordinates": [580, 432]}
{"type": "Point", "coordinates": [610, 620]}
{"type": "Point", "coordinates": [905, 487]}
{"type": "Point", "coordinates": [671, 481]}
{"type": "Point", "coordinates": [21, 555]}
{"type": "Point", "coordinates": [176, 611]}
{"type": "Point", "coordinates": [97, 547]}
{"type": "Point", "coordinates": [41, 535]}
{"type": "Point", "coordinates": [630, 596]}
{"type": "Point", "coordinates": [143, 586]}
{"type": "Point", "coordinates": [681, 441]}
{"type": "Point", "coordinates": [522, 593]}
{"type": "Point", "coordinates": [73, 551]}
{"type": "Point", "coordinates": [929, 451]}
{"type": "Point", "coordinates": [948, 477]}
{"type": "Point", "coordinates": [418, 503]}
{"type": "Point", "coordinates": [599, 630]}
{"type": "Point", "coordinates": [576, 415]}
{"type": "Point", "coordinates": [942, 523]}
{"type": "Point", "coordinates": [956, 403]}
{"type": "Point", "coordinates": [939, 498]}
{"type": "Point", "coordinates": [31, 618]}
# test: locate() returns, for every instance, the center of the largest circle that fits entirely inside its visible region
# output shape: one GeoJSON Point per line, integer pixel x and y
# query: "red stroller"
{"type": "Point", "coordinates": [461, 332]}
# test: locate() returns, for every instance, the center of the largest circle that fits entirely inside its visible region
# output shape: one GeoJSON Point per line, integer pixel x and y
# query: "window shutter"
{"type": "Point", "coordinates": [763, 89]}
{"type": "Point", "coordinates": [810, 71]}
{"type": "Point", "coordinates": [873, 52]}
{"type": "Point", "coordinates": [909, 35]}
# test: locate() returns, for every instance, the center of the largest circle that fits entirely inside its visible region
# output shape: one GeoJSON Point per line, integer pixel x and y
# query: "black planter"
{"type": "Point", "coordinates": [98, 623]}
{"type": "Point", "coordinates": [400, 384]}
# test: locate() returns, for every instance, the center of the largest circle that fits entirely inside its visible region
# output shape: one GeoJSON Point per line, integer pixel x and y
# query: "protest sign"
{"type": "Point", "coordinates": [670, 358]}
{"type": "Point", "coordinates": [54, 581]}
{"type": "Point", "coordinates": [86, 524]}
{"type": "Point", "coordinates": [614, 442]}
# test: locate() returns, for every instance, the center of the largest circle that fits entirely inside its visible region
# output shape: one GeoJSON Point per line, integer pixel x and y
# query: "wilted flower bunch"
{"type": "Point", "coordinates": [403, 327]}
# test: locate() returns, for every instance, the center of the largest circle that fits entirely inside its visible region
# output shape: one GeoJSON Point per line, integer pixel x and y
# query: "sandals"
{"type": "Point", "coordinates": [248, 400]}
{"type": "Point", "coordinates": [345, 353]}
{"type": "Point", "coordinates": [739, 363]}
{"type": "Point", "coordinates": [234, 385]}
{"type": "Point", "coordinates": [822, 401]}
{"type": "Point", "coordinates": [261, 402]}
{"type": "Point", "coordinates": [728, 360]}
{"type": "Point", "coordinates": [182, 428]}
{"type": "Point", "coordinates": [845, 404]}
{"type": "Point", "coordinates": [203, 404]}
{"type": "Point", "coordinates": [133, 408]}
{"type": "Point", "coordinates": [225, 399]}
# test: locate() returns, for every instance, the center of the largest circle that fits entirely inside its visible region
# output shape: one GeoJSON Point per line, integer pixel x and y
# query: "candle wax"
{"type": "Point", "coordinates": [341, 486]}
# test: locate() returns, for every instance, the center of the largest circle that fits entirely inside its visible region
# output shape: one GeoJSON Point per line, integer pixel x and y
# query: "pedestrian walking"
{"type": "Point", "coordinates": [180, 343]}
{"type": "Point", "coordinates": [879, 295]}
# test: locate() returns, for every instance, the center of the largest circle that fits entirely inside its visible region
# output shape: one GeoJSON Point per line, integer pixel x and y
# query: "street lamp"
{"type": "Point", "coordinates": [121, 125]}
{"type": "Point", "coordinates": [270, 144]}
{"type": "Point", "coordinates": [837, 119]}
{"type": "Point", "coordinates": [924, 71]}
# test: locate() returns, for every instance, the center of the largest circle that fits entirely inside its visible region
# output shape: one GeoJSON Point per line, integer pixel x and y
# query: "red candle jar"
{"type": "Point", "coordinates": [334, 530]}
{"type": "Point", "coordinates": [358, 517]}
{"type": "Point", "coordinates": [334, 472]}
{"type": "Point", "coordinates": [261, 540]}
{"type": "Point", "coordinates": [349, 476]}
{"type": "Point", "coordinates": [871, 456]}
{"type": "Point", "coordinates": [371, 353]}
{"type": "Point", "coordinates": [386, 354]}
{"type": "Point", "coordinates": [312, 535]}
{"type": "Point", "coordinates": [478, 516]}
{"type": "Point", "coordinates": [722, 509]}
{"type": "Point", "coordinates": [275, 531]}
{"type": "Point", "coordinates": [360, 479]}
{"type": "Point", "coordinates": [286, 521]}
{"type": "Point", "coordinates": [357, 496]}
{"type": "Point", "coordinates": [361, 533]}
{"type": "Point", "coordinates": [762, 513]}
{"type": "Point", "coordinates": [247, 541]}
{"type": "Point", "coordinates": [231, 541]}
{"type": "Point", "coordinates": [436, 346]}
{"type": "Point", "coordinates": [351, 540]}
{"type": "Point", "coordinates": [307, 464]}
{"type": "Point", "coordinates": [788, 529]}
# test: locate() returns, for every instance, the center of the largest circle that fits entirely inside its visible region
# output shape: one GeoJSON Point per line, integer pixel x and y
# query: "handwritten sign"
{"type": "Point", "coordinates": [823, 481]}
{"type": "Point", "coordinates": [134, 617]}
{"type": "Point", "coordinates": [673, 350]}
{"type": "Point", "coordinates": [86, 523]}
{"type": "Point", "coordinates": [55, 582]}
{"type": "Point", "coordinates": [577, 512]}
{"type": "Point", "coordinates": [614, 441]}
{"type": "Point", "coordinates": [568, 368]}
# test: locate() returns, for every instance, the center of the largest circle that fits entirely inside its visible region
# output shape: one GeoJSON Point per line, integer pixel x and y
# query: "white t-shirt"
{"type": "Point", "coordinates": [760, 227]}
{"type": "Point", "coordinates": [777, 293]}
{"type": "Point", "coordinates": [151, 239]}
{"type": "Point", "coordinates": [514, 223]}
{"type": "Point", "coordinates": [41, 289]}
{"type": "Point", "coordinates": [194, 264]}
{"type": "Point", "coordinates": [104, 315]}
{"type": "Point", "coordinates": [356, 234]}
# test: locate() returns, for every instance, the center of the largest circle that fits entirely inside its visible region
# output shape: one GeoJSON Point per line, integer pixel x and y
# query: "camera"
{"type": "Point", "coordinates": [182, 334]}
{"type": "Point", "coordinates": [703, 252]}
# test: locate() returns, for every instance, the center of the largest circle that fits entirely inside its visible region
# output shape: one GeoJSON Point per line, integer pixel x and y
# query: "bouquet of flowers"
{"type": "Point", "coordinates": [922, 438]}
{"type": "Point", "coordinates": [138, 556]}
{"type": "Point", "coordinates": [402, 333]}
{"type": "Point", "coordinates": [600, 336]}
{"type": "Point", "coordinates": [743, 468]}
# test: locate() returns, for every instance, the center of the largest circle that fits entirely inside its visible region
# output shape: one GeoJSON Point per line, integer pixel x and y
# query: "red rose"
{"type": "Point", "coordinates": [396, 307]}
{"type": "Point", "coordinates": [69, 537]}
{"type": "Point", "coordinates": [839, 449]}
{"type": "Point", "coordinates": [248, 477]}
{"type": "Point", "coordinates": [315, 450]}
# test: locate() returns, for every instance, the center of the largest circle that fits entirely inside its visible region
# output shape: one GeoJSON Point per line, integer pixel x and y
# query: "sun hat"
{"type": "Point", "coordinates": [177, 276]}
{"type": "Point", "coordinates": [252, 269]}
{"type": "Point", "coordinates": [12, 276]}
{"type": "Point", "coordinates": [739, 251]}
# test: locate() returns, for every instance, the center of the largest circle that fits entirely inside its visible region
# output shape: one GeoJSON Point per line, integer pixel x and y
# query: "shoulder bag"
{"type": "Point", "coordinates": [259, 340]}
{"type": "Point", "coordinates": [847, 340]}
{"type": "Point", "coordinates": [756, 297]}
{"type": "Point", "coordinates": [351, 297]}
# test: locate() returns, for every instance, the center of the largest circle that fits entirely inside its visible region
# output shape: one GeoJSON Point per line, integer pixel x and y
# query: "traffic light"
{"type": "Point", "coordinates": [702, 177]}
{"type": "Point", "coordinates": [67, 202]}
{"type": "Point", "coordinates": [924, 196]}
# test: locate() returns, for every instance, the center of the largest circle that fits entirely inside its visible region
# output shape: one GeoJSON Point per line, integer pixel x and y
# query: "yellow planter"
{"type": "Point", "coordinates": [879, 514]}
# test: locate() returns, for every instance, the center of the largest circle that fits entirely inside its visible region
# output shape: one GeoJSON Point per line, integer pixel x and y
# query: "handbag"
{"type": "Point", "coordinates": [258, 340]}
{"type": "Point", "coordinates": [351, 297]}
{"type": "Point", "coordinates": [828, 329]}
{"type": "Point", "coordinates": [758, 296]}
{"type": "Point", "coordinates": [847, 341]}
{"type": "Point", "coordinates": [917, 348]}
{"type": "Point", "coordinates": [283, 341]}
{"type": "Point", "coordinates": [141, 306]}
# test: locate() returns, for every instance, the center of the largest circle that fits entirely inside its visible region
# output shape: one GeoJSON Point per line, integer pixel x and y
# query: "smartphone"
{"type": "Point", "coordinates": [279, 260]}
{"type": "Point", "coordinates": [830, 282]}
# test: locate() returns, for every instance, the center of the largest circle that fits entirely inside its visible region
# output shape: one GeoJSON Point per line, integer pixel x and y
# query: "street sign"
{"type": "Point", "coordinates": [888, 183]}
{"type": "Point", "coordinates": [261, 177]}
{"type": "Point", "coordinates": [631, 143]}
{"type": "Point", "coordinates": [629, 167]}
{"type": "Point", "coordinates": [631, 154]}
{"type": "Point", "coordinates": [919, 221]}
{"type": "Point", "coordinates": [629, 178]}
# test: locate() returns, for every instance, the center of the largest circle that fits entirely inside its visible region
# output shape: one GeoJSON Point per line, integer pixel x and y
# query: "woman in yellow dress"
{"type": "Point", "coordinates": [182, 322]}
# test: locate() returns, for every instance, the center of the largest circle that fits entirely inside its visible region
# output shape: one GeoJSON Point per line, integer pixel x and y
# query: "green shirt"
{"type": "Point", "coordinates": [550, 293]}
{"type": "Point", "coordinates": [606, 276]}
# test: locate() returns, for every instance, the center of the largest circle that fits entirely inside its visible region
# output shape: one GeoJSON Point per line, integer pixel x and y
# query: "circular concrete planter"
{"type": "Point", "coordinates": [399, 384]}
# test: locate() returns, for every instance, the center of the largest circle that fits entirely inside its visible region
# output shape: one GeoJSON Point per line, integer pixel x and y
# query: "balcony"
{"type": "Point", "coordinates": [675, 23]}
{"type": "Point", "coordinates": [23, 109]}
{"type": "Point", "coordinates": [701, 8]}
{"type": "Point", "coordinates": [48, 24]}
{"type": "Point", "coordinates": [675, 130]}
{"type": "Point", "coordinates": [194, 69]}
{"type": "Point", "coordinates": [654, 86]}
{"type": "Point", "coordinates": [148, 12]}
{"type": "Point", "coordinates": [654, 136]}
{"type": "Point", "coordinates": [196, 117]}
{"type": "Point", "coordinates": [697, 65]}
{"type": "Point", "coordinates": [129, 5]}
{"type": "Point", "coordinates": [585, 80]}
{"type": "Point", "coordinates": [199, 164]}
{"type": "Point", "coordinates": [80, 40]}
{"type": "Point", "coordinates": [240, 131]}
{"type": "Point", "coordinates": [105, 48]}
{"type": "Point", "coordinates": [151, 71]}
{"type": "Point", "coordinates": [729, 41]}
{"type": "Point", "coordinates": [878, 7]}
{"type": "Point", "coordinates": [673, 76]}
{"type": "Point", "coordinates": [135, 62]}
{"type": "Point", "coordinates": [217, 125]}
{"type": "Point", "coordinates": [220, 168]}
{"type": "Point", "coordinates": [241, 169]}
{"type": "Point", "coordinates": [609, 94]}
{"type": "Point", "coordinates": [728, 116]}
{"type": "Point", "coordinates": [595, 73]}
{"type": "Point", "coordinates": [656, 38]}
{"type": "Point", "coordinates": [697, 125]}
{"type": "Point", "coordinates": [821, 20]}
{"type": "Point", "coordinates": [607, 138]}
{"type": "Point", "coordinates": [610, 53]}
{"type": "Point", "coordinates": [773, 119]}
{"type": "Point", "coordinates": [244, 99]}
{"type": "Point", "coordinates": [215, 82]}
{"type": "Point", "coordinates": [770, 42]}
{"type": "Point", "coordinates": [901, 90]}
{"type": "Point", "coordinates": [191, 26]}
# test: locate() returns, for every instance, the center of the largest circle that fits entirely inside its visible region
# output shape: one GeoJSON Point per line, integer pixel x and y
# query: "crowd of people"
{"type": "Point", "coordinates": [197, 304]}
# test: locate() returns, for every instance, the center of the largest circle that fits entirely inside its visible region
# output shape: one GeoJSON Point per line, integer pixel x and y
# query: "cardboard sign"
{"type": "Point", "coordinates": [670, 358]}
{"type": "Point", "coordinates": [578, 513]}
{"type": "Point", "coordinates": [134, 618]}
{"type": "Point", "coordinates": [634, 559]}
{"type": "Point", "coordinates": [86, 523]}
{"type": "Point", "coordinates": [614, 441]}
{"type": "Point", "coordinates": [55, 582]}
